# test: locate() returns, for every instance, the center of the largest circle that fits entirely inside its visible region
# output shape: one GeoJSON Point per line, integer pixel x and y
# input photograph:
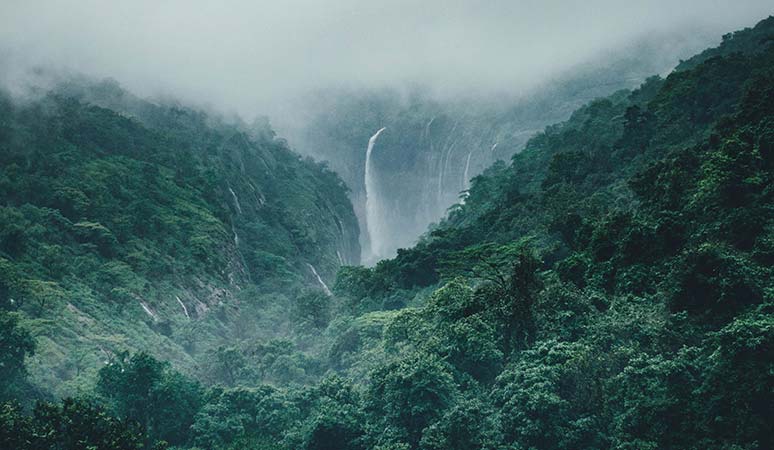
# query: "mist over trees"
{"type": "Point", "coordinates": [176, 278]}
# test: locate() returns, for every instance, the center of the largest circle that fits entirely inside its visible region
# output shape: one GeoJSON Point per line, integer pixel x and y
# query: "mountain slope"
{"type": "Point", "coordinates": [132, 225]}
{"type": "Point", "coordinates": [432, 147]}
{"type": "Point", "coordinates": [583, 167]}
{"type": "Point", "coordinates": [610, 288]}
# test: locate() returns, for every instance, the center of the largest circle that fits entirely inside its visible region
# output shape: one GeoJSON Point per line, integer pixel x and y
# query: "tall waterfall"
{"type": "Point", "coordinates": [373, 205]}
{"type": "Point", "coordinates": [446, 151]}
{"type": "Point", "coordinates": [466, 179]}
{"type": "Point", "coordinates": [448, 158]}
{"type": "Point", "coordinates": [466, 174]}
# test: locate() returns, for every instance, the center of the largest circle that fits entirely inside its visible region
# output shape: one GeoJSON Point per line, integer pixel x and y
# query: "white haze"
{"type": "Point", "coordinates": [250, 57]}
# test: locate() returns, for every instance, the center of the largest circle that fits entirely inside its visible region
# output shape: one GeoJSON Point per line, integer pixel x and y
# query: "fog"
{"type": "Point", "coordinates": [251, 57]}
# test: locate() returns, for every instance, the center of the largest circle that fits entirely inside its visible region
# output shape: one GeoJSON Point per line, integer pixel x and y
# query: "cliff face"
{"type": "Point", "coordinates": [422, 163]}
{"type": "Point", "coordinates": [115, 209]}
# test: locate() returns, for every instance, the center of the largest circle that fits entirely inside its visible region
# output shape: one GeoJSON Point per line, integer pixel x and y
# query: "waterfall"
{"type": "Point", "coordinates": [239, 252]}
{"type": "Point", "coordinates": [258, 195]}
{"type": "Point", "coordinates": [245, 269]}
{"type": "Point", "coordinates": [148, 311]}
{"type": "Point", "coordinates": [427, 190]}
{"type": "Point", "coordinates": [341, 260]}
{"type": "Point", "coordinates": [445, 153]}
{"type": "Point", "coordinates": [449, 157]}
{"type": "Point", "coordinates": [320, 280]}
{"type": "Point", "coordinates": [236, 200]}
{"type": "Point", "coordinates": [443, 169]}
{"type": "Point", "coordinates": [373, 219]}
{"type": "Point", "coordinates": [466, 180]}
{"type": "Point", "coordinates": [466, 174]}
{"type": "Point", "coordinates": [427, 128]}
{"type": "Point", "coordinates": [185, 310]}
{"type": "Point", "coordinates": [440, 178]}
{"type": "Point", "coordinates": [236, 237]}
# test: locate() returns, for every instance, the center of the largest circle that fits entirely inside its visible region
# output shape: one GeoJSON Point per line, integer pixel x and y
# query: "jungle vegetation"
{"type": "Point", "coordinates": [609, 287]}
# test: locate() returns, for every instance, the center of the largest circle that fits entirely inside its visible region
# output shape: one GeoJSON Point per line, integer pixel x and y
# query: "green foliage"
{"type": "Point", "coordinates": [15, 345]}
{"type": "Point", "coordinates": [228, 366]}
{"type": "Point", "coordinates": [132, 226]}
{"type": "Point", "coordinates": [611, 288]}
{"type": "Point", "coordinates": [260, 414]}
{"type": "Point", "coordinates": [149, 392]}
{"type": "Point", "coordinates": [467, 425]}
{"type": "Point", "coordinates": [334, 427]}
{"type": "Point", "coordinates": [406, 396]}
{"type": "Point", "coordinates": [312, 309]}
{"type": "Point", "coordinates": [713, 279]}
{"type": "Point", "coordinates": [551, 397]}
{"type": "Point", "coordinates": [74, 425]}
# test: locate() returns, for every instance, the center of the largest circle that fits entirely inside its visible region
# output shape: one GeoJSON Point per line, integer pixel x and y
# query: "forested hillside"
{"type": "Point", "coordinates": [610, 287]}
{"type": "Point", "coordinates": [127, 226]}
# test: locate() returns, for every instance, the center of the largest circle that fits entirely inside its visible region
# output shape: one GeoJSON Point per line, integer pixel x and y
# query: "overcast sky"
{"type": "Point", "coordinates": [248, 56]}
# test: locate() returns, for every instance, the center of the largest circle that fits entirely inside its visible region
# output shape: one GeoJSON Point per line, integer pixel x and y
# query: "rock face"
{"type": "Point", "coordinates": [419, 165]}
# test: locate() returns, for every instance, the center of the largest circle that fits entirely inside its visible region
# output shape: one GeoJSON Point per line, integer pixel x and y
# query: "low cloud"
{"type": "Point", "coordinates": [251, 56]}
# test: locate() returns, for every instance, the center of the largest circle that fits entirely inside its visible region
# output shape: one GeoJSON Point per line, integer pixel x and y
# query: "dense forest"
{"type": "Point", "coordinates": [610, 287]}
{"type": "Point", "coordinates": [130, 226]}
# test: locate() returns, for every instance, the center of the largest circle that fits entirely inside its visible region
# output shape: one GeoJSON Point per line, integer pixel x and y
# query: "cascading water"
{"type": "Point", "coordinates": [320, 280]}
{"type": "Point", "coordinates": [185, 310]}
{"type": "Point", "coordinates": [428, 192]}
{"type": "Point", "coordinates": [466, 174]}
{"type": "Point", "coordinates": [236, 200]}
{"type": "Point", "coordinates": [449, 157]}
{"type": "Point", "coordinates": [148, 311]}
{"type": "Point", "coordinates": [373, 206]}
{"type": "Point", "coordinates": [445, 155]}
{"type": "Point", "coordinates": [466, 179]}
{"type": "Point", "coordinates": [341, 259]}
{"type": "Point", "coordinates": [236, 237]}
{"type": "Point", "coordinates": [427, 127]}
{"type": "Point", "coordinates": [258, 195]}
{"type": "Point", "coordinates": [233, 227]}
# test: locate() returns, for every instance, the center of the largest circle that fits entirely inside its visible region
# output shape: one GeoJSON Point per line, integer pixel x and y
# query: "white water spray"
{"type": "Point", "coordinates": [427, 128]}
{"type": "Point", "coordinates": [373, 207]}
{"type": "Point", "coordinates": [449, 157]}
{"type": "Point", "coordinates": [238, 251]}
{"type": "Point", "coordinates": [236, 200]}
{"type": "Point", "coordinates": [440, 178]}
{"type": "Point", "coordinates": [185, 310]}
{"type": "Point", "coordinates": [341, 260]}
{"type": "Point", "coordinates": [466, 174]}
{"type": "Point", "coordinates": [258, 195]}
{"type": "Point", "coordinates": [466, 180]}
{"type": "Point", "coordinates": [320, 280]}
{"type": "Point", "coordinates": [236, 237]}
{"type": "Point", "coordinates": [148, 310]}
{"type": "Point", "coordinates": [445, 154]}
